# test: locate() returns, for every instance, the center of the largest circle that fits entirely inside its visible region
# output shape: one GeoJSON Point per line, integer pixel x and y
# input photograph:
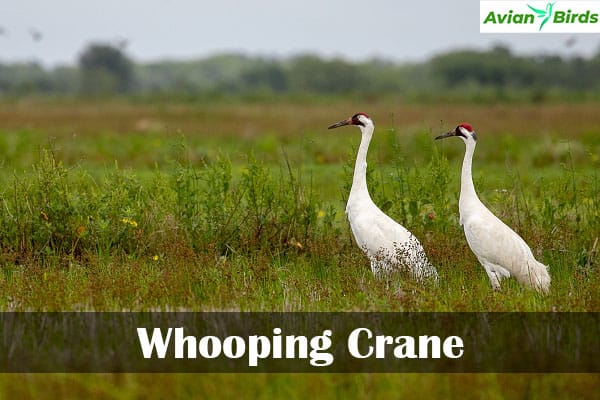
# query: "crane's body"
{"type": "Point", "coordinates": [499, 249]}
{"type": "Point", "coordinates": [388, 245]}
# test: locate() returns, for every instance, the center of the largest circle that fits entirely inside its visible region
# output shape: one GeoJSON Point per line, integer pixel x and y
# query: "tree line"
{"type": "Point", "coordinates": [103, 69]}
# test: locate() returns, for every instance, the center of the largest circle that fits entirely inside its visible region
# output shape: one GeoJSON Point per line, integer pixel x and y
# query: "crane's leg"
{"type": "Point", "coordinates": [495, 272]}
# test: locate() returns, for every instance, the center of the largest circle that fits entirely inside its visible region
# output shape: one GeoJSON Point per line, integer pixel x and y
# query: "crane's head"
{"type": "Point", "coordinates": [463, 131]}
{"type": "Point", "coordinates": [360, 119]}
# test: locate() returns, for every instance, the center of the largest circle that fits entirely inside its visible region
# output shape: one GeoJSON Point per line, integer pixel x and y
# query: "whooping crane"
{"type": "Point", "coordinates": [500, 250]}
{"type": "Point", "coordinates": [388, 245]}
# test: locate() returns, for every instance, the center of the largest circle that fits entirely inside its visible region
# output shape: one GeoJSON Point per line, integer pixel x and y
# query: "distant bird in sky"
{"type": "Point", "coordinates": [388, 245]}
{"type": "Point", "coordinates": [3, 31]}
{"type": "Point", "coordinates": [570, 42]}
{"type": "Point", "coordinates": [122, 43]}
{"type": "Point", "coordinates": [36, 35]}
{"type": "Point", "coordinates": [500, 250]}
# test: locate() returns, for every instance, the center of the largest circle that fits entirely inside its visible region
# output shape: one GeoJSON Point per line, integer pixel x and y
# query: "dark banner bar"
{"type": "Point", "coordinates": [300, 342]}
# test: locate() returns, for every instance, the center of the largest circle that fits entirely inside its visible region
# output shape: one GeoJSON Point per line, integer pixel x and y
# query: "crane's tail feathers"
{"type": "Point", "coordinates": [425, 272]}
{"type": "Point", "coordinates": [421, 271]}
{"type": "Point", "coordinates": [538, 276]}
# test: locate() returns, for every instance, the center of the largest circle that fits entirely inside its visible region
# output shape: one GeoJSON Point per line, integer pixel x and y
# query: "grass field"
{"type": "Point", "coordinates": [126, 205]}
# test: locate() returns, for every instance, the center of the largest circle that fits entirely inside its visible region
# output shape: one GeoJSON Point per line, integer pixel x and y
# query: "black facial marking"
{"type": "Point", "coordinates": [356, 120]}
{"type": "Point", "coordinates": [458, 132]}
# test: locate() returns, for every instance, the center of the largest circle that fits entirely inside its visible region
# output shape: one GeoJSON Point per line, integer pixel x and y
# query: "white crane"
{"type": "Point", "coordinates": [388, 244]}
{"type": "Point", "coordinates": [500, 250]}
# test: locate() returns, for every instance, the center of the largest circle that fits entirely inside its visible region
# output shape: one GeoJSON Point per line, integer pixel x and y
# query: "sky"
{"type": "Point", "coordinates": [55, 32]}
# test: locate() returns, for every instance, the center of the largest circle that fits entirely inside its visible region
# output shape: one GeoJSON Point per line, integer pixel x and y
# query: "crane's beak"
{"type": "Point", "coordinates": [447, 134]}
{"type": "Point", "coordinates": [341, 123]}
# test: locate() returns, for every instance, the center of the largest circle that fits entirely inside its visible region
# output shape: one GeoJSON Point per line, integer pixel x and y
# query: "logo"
{"type": "Point", "coordinates": [545, 14]}
{"type": "Point", "coordinates": [539, 16]}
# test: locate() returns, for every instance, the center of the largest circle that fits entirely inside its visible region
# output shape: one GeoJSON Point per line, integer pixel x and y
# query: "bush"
{"type": "Point", "coordinates": [54, 213]}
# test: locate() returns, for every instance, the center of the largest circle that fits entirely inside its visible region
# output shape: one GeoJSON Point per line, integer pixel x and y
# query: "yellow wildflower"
{"type": "Point", "coordinates": [129, 222]}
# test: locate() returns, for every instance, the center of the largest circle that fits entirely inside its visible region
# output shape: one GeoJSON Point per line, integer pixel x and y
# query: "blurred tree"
{"type": "Point", "coordinates": [64, 79]}
{"type": "Point", "coordinates": [309, 73]}
{"type": "Point", "coordinates": [24, 78]}
{"type": "Point", "coordinates": [105, 70]}
{"type": "Point", "coordinates": [496, 73]}
{"type": "Point", "coordinates": [496, 68]}
{"type": "Point", "coordinates": [265, 76]}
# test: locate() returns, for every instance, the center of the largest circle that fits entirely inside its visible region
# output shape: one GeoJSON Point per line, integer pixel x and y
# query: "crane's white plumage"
{"type": "Point", "coordinates": [500, 250]}
{"type": "Point", "coordinates": [388, 244]}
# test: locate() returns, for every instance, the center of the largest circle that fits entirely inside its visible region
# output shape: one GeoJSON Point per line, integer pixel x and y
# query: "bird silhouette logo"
{"type": "Point", "coordinates": [545, 14]}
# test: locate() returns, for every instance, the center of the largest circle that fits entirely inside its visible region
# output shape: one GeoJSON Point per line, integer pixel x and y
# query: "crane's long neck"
{"type": "Point", "coordinates": [359, 180]}
{"type": "Point", "coordinates": [467, 189]}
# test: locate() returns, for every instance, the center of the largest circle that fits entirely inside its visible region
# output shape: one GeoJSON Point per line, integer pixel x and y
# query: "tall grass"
{"type": "Point", "coordinates": [250, 214]}
{"type": "Point", "coordinates": [61, 214]}
{"type": "Point", "coordinates": [255, 237]}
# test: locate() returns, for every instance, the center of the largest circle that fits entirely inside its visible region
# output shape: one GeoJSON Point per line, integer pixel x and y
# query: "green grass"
{"type": "Point", "coordinates": [162, 220]}
{"type": "Point", "coordinates": [124, 206]}
{"type": "Point", "coordinates": [301, 386]}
